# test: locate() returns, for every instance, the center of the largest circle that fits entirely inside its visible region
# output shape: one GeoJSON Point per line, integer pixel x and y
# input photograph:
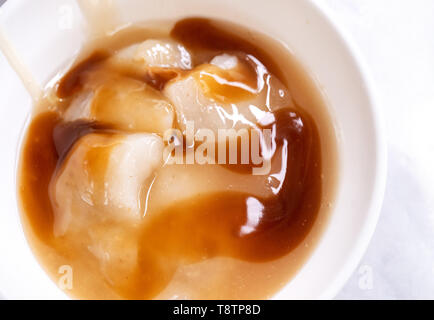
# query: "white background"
{"type": "Point", "coordinates": [396, 38]}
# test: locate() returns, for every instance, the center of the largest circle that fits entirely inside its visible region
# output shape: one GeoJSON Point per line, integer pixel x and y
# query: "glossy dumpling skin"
{"type": "Point", "coordinates": [103, 179]}
{"type": "Point", "coordinates": [122, 103]}
{"type": "Point", "coordinates": [229, 92]}
{"type": "Point", "coordinates": [178, 182]}
{"type": "Point", "coordinates": [123, 91]}
{"type": "Point", "coordinates": [98, 197]}
{"type": "Point", "coordinates": [154, 53]}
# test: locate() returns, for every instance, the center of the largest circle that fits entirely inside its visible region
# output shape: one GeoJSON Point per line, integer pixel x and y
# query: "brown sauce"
{"type": "Point", "coordinates": [205, 227]}
{"type": "Point", "coordinates": [39, 159]}
{"type": "Point", "coordinates": [73, 80]}
{"type": "Point", "coordinates": [202, 35]}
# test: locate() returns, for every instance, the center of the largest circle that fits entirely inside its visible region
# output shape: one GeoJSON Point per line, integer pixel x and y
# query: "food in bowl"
{"type": "Point", "coordinates": [192, 161]}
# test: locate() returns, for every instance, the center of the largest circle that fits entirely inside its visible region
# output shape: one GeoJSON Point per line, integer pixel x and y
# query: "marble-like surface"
{"type": "Point", "coordinates": [396, 38]}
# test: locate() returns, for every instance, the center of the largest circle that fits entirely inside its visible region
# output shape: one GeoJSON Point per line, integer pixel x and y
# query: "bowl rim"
{"type": "Point", "coordinates": [366, 232]}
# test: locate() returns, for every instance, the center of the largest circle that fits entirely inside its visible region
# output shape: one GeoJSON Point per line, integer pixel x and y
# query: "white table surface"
{"type": "Point", "coordinates": [396, 37]}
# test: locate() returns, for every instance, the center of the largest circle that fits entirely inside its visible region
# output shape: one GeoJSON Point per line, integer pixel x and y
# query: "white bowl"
{"type": "Point", "coordinates": [47, 34]}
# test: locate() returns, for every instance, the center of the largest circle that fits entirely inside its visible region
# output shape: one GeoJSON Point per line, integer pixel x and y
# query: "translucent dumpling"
{"type": "Point", "coordinates": [124, 103]}
{"type": "Point", "coordinates": [154, 53]}
{"type": "Point", "coordinates": [177, 182]}
{"type": "Point", "coordinates": [230, 92]}
{"type": "Point", "coordinates": [103, 179]}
